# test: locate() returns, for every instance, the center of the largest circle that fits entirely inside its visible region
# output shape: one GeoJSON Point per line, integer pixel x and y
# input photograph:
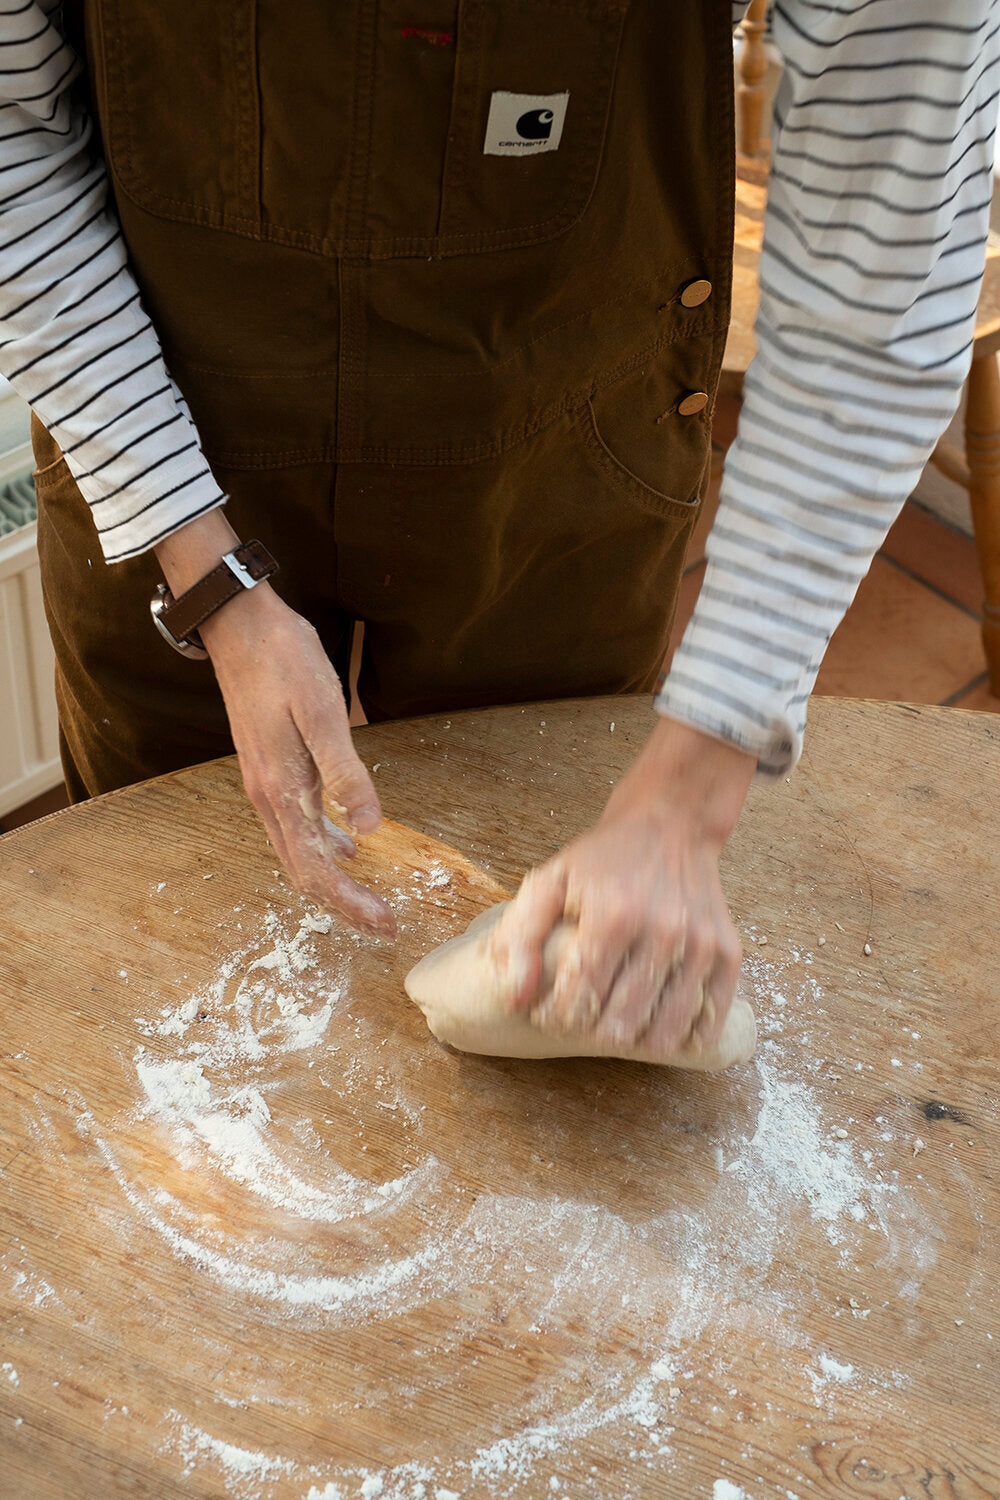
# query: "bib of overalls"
{"type": "Point", "coordinates": [388, 233]}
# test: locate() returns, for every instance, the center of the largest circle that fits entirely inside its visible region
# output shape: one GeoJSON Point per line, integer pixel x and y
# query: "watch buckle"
{"type": "Point", "coordinates": [242, 575]}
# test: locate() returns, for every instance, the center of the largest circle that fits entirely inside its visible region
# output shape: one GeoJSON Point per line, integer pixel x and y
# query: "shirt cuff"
{"type": "Point", "coordinates": [136, 520]}
{"type": "Point", "coordinates": [776, 744]}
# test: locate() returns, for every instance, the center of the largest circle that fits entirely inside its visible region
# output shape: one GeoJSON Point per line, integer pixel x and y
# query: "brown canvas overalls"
{"type": "Point", "coordinates": [454, 390]}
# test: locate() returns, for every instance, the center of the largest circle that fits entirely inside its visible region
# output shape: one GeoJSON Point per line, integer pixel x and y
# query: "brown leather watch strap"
{"type": "Point", "coordinates": [183, 616]}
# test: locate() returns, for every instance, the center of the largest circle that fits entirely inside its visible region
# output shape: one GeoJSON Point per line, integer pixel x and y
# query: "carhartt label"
{"type": "Point", "coordinates": [524, 124]}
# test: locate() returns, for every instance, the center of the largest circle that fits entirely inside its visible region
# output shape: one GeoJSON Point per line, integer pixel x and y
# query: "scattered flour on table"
{"type": "Point", "coordinates": [437, 878]}
{"type": "Point", "coordinates": [212, 1098]}
{"type": "Point", "coordinates": [789, 1155]}
{"type": "Point", "coordinates": [794, 1158]}
{"type": "Point", "coordinates": [242, 1467]}
{"type": "Point", "coordinates": [834, 1370]}
{"type": "Point", "coordinates": [8, 1369]}
{"type": "Point", "coordinates": [689, 1278]}
{"type": "Point", "coordinates": [30, 1284]}
{"type": "Point", "coordinates": [213, 1095]}
{"type": "Point", "coordinates": [231, 1123]}
{"type": "Point", "coordinates": [831, 1370]}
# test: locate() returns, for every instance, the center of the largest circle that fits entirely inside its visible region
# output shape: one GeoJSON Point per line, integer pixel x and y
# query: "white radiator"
{"type": "Point", "coordinates": [29, 743]}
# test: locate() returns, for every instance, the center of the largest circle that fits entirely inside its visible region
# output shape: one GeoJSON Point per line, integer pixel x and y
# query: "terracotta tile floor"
{"type": "Point", "coordinates": [912, 633]}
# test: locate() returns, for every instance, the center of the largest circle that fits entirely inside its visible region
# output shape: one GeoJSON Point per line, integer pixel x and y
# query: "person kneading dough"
{"type": "Point", "coordinates": [465, 1001]}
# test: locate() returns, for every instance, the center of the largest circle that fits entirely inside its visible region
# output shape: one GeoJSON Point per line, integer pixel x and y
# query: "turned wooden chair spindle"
{"type": "Point", "coordinates": [752, 146]}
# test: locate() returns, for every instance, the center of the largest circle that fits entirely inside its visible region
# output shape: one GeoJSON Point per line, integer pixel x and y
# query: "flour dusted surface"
{"type": "Point", "coordinates": [346, 1205]}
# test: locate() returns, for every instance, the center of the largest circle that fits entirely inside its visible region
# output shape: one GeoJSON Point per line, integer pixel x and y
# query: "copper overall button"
{"type": "Point", "coordinates": [693, 402]}
{"type": "Point", "coordinates": [695, 293]}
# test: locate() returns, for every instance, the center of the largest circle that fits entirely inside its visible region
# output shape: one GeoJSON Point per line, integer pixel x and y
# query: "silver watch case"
{"type": "Point", "coordinates": [159, 602]}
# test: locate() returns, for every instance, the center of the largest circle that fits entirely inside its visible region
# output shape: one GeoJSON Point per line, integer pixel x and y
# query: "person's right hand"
{"type": "Point", "coordinates": [289, 723]}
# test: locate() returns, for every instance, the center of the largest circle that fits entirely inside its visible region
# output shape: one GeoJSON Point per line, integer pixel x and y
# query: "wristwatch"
{"type": "Point", "coordinates": [177, 620]}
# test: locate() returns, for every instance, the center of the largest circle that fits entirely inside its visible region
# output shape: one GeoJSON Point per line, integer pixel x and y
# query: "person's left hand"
{"type": "Point", "coordinates": [655, 956]}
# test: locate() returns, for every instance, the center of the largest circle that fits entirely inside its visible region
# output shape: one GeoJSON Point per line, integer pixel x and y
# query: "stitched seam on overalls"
{"type": "Point", "coordinates": [674, 335]}
{"type": "Point", "coordinates": [248, 167]}
{"type": "Point", "coordinates": [280, 372]}
{"type": "Point", "coordinates": [659, 500]}
{"type": "Point", "coordinates": [725, 124]}
{"type": "Point", "coordinates": [349, 415]}
{"type": "Point", "coordinates": [42, 478]}
{"type": "Point", "coordinates": [447, 454]}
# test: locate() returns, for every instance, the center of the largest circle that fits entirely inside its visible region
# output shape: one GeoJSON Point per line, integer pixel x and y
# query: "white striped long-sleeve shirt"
{"type": "Point", "coordinates": [873, 252]}
{"type": "Point", "coordinates": [874, 243]}
{"type": "Point", "coordinates": [75, 341]}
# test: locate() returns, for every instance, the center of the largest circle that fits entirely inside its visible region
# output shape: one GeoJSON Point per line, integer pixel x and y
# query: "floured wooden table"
{"type": "Point", "coordinates": [260, 1236]}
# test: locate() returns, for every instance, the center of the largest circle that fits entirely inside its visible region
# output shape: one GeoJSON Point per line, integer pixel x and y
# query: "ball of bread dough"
{"type": "Point", "coordinates": [458, 989]}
